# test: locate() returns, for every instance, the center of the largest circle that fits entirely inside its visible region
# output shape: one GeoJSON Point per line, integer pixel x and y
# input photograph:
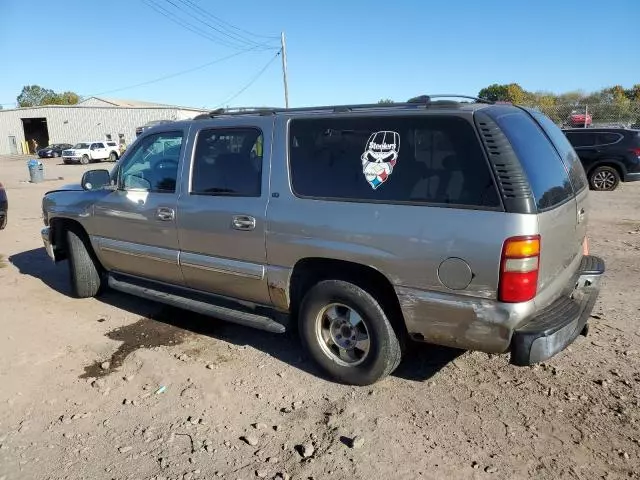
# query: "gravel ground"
{"type": "Point", "coordinates": [122, 388]}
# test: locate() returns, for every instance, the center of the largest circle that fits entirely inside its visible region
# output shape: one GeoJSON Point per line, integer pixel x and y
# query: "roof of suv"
{"type": "Point", "coordinates": [422, 102]}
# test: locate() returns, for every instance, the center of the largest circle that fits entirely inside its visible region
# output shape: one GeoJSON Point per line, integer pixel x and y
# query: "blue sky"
{"type": "Point", "coordinates": [346, 51]}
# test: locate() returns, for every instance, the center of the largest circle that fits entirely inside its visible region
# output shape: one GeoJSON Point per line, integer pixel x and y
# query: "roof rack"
{"type": "Point", "coordinates": [416, 102]}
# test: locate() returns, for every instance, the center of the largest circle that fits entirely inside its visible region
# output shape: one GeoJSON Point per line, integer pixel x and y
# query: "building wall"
{"type": "Point", "coordinates": [75, 123]}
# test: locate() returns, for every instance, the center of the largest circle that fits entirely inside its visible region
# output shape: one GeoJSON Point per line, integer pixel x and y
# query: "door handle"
{"type": "Point", "coordinates": [581, 215]}
{"type": "Point", "coordinates": [243, 222]}
{"type": "Point", "coordinates": [165, 214]}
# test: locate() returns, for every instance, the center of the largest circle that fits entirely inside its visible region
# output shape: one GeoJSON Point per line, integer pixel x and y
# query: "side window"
{"type": "Point", "coordinates": [545, 171]}
{"type": "Point", "coordinates": [94, 146]}
{"type": "Point", "coordinates": [608, 138]}
{"type": "Point", "coordinates": [569, 157]}
{"type": "Point", "coordinates": [582, 139]}
{"type": "Point", "coordinates": [228, 162]}
{"type": "Point", "coordinates": [403, 159]}
{"type": "Point", "coordinates": [153, 164]}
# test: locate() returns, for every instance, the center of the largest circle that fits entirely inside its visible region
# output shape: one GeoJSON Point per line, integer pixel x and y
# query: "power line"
{"type": "Point", "coordinates": [223, 23]}
{"type": "Point", "coordinates": [191, 27]}
{"type": "Point", "coordinates": [171, 75]}
{"type": "Point", "coordinates": [251, 82]}
{"type": "Point", "coordinates": [198, 17]}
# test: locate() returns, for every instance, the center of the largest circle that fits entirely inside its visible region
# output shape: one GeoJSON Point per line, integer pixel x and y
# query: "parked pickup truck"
{"type": "Point", "coordinates": [85, 152]}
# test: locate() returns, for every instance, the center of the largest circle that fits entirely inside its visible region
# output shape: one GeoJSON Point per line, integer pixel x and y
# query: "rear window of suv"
{"type": "Point", "coordinates": [547, 175]}
{"type": "Point", "coordinates": [391, 159]}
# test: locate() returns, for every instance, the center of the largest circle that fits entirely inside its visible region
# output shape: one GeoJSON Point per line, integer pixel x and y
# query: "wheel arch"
{"type": "Point", "coordinates": [309, 271]}
{"type": "Point", "coordinates": [59, 227]}
{"type": "Point", "coordinates": [619, 167]}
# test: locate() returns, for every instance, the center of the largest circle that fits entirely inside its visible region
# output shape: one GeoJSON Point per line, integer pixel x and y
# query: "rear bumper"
{"type": "Point", "coordinates": [558, 325]}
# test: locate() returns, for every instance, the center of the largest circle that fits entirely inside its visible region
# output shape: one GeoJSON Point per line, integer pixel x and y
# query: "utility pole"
{"type": "Point", "coordinates": [283, 52]}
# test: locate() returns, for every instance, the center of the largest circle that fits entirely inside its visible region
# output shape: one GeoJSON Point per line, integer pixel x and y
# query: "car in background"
{"type": "Point", "coordinates": [86, 152]}
{"type": "Point", "coordinates": [53, 150]}
{"type": "Point", "coordinates": [4, 206]}
{"type": "Point", "coordinates": [608, 155]}
{"type": "Point", "coordinates": [578, 119]}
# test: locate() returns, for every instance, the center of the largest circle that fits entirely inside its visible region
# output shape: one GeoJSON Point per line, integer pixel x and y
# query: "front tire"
{"type": "Point", "coordinates": [604, 178]}
{"type": "Point", "coordinates": [84, 160]}
{"type": "Point", "coordinates": [83, 270]}
{"type": "Point", "coordinates": [347, 332]}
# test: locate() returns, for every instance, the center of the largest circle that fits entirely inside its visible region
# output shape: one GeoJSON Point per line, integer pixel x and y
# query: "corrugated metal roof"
{"type": "Point", "coordinates": [100, 102]}
{"type": "Point", "coordinates": [117, 102]}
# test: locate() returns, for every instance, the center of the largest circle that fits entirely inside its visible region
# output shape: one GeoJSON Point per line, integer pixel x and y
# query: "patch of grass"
{"type": "Point", "coordinates": [3, 262]}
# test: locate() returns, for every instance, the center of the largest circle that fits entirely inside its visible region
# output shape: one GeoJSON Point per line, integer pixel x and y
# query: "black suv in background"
{"type": "Point", "coordinates": [609, 155]}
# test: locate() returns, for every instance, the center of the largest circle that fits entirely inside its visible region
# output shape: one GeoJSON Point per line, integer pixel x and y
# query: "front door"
{"type": "Point", "coordinates": [13, 145]}
{"type": "Point", "coordinates": [222, 213]}
{"type": "Point", "coordinates": [134, 227]}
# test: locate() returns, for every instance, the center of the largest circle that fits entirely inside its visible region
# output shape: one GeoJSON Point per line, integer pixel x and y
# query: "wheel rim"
{"type": "Point", "coordinates": [112, 157]}
{"type": "Point", "coordinates": [84, 160]}
{"type": "Point", "coordinates": [342, 334]}
{"type": "Point", "coordinates": [604, 180]}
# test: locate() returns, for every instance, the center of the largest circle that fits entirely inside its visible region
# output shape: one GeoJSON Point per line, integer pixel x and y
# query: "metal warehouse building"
{"type": "Point", "coordinates": [93, 119]}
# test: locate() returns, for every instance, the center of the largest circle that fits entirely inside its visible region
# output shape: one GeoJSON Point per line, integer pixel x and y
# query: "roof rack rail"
{"type": "Point", "coordinates": [416, 102]}
{"type": "Point", "coordinates": [428, 98]}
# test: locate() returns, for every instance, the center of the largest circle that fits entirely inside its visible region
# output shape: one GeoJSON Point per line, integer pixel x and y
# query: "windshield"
{"type": "Point", "coordinates": [81, 146]}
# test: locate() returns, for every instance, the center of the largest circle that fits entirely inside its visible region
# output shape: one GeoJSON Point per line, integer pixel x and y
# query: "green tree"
{"type": "Point", "coordinates": [509, 92]}
{"type": "Point", "coordinates": [385, 101]}
{"type": "Point", "coordinates": [35, 95]}
{"type": "Point", "coordinates": [494, 93]}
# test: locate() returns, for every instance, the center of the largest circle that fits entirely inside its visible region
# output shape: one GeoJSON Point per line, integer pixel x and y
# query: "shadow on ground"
{"type": "Point", "coordinates": [421, 362]}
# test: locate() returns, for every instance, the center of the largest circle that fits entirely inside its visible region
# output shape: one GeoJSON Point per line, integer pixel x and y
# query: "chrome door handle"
{"type": "Point", "coordinates": [243, 222]}
{"type": "Point", "coordinates": [165, 214]}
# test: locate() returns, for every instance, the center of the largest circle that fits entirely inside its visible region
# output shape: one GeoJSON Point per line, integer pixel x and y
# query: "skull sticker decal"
{"type": "Point", "coordinates": [380, 156]}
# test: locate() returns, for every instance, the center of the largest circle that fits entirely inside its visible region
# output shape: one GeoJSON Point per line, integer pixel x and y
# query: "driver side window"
{"type": "Point", "coordinates": [152, 166]}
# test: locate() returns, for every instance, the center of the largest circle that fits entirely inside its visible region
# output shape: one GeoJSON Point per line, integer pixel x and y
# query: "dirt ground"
{"type": "Point", "coordinates": [188, 397]}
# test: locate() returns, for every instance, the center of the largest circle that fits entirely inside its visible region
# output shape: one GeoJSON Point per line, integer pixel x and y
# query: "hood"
{"type": "Point", "coordinates": [71, 187]}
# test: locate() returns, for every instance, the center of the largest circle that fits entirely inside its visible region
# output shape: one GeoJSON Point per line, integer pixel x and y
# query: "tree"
{"type": "Point", "coordinates": [68, 98]}
{"type": "Point", "coordinates": [35, 95]}
{"type": "Point", "coordinates": [385, 101]}
{"type": "Point", "coordinates": [494, 93]}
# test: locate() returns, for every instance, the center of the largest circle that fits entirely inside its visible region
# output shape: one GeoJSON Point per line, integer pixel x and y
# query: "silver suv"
{"type": "Point", "coordinates": [459, 224]}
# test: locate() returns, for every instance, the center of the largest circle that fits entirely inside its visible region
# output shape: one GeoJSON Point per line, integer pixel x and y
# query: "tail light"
{"type": "Point", "coordinates": [519, 268]}
{"type": "Point", "coordinates": [636, 151]}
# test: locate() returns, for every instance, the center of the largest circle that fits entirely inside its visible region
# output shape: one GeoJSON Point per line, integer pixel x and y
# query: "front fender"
{"type": "Point", "coordinates": [71, 204]}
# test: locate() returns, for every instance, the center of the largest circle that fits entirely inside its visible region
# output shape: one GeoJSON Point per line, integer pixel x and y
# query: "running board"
{"type": "Point", "coordinates": [223, 313]}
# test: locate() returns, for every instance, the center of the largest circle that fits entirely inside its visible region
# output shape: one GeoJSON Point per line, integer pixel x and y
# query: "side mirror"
{"type": "Point", "coordinates": [95, 179]}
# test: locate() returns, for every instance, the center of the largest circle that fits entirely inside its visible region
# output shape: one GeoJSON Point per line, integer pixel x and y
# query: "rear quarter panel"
{"type": "Point", "coordinates": [407, 244]}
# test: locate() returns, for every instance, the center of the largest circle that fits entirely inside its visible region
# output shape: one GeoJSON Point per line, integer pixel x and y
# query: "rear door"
{"type": "Point", "coordinates": [221, 214]}
{"type": "Point", "coordinates": [561, 220]}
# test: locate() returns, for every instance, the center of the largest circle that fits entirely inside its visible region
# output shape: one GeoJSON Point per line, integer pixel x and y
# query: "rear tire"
{"type": "Point", "coordinates": [335, 311]}
{"type": "Point", "coordinates": [84, 160]}
{"type": "Point", "coordinates": [113, 157]}
{"type": "Point", "coordinates": [604, 178]}
{"type": "Point", "coordinates": [83, 270]}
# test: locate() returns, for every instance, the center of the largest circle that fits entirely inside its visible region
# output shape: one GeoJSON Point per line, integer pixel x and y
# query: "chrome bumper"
{"type": "Point", "coordinates": [46, 239]}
